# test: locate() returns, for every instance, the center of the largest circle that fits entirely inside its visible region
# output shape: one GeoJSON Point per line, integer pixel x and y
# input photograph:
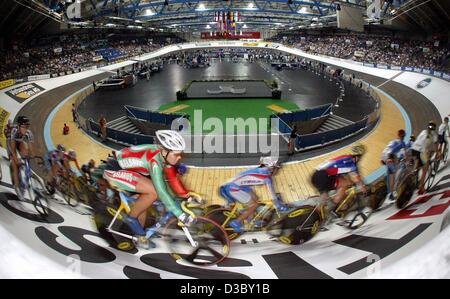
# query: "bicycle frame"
{"type": "Point", "coordinates": [162, 220]}
{"type": "Point", "coordinates": [249, 224]}
{"type": "Point", "coordinates": [347, 202]}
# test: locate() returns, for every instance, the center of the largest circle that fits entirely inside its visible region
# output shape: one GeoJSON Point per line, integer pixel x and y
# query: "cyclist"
{"type": "Point", "coordinates": [53, 162]}
{"type": "Point", "coordinates": [339, 174]}
{"type": "Point", "coordinates": [390, 158]}
{"type": "Point", "coordinates": [7, 132]}
{"type": "Point", "coordinates": [142, 172]}
{"type": "Point", "coordinates": [238, 189]}
{"type": "Point", "coordinates": [409, 144]}
{"type": "Point", "coordinates": [86, 170]}
{"type": "Point", "coordinates": [421, 151]}
{"type": "Point", "coordinates": [443, 133]}
{"type": "Point", "coordinates": [21, 140]}
{"type": "Point", "coordinates": [70, 157]}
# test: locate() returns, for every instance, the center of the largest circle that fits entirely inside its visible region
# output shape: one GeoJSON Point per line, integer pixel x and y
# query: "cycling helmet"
{"type": "Point", "coordinates": [269, 162]}
{"type": "Point", "coordinates": [91, 163]}
{"type": "Point", "coordinates": [358, 150]}
{"type": "Point", "coordinates": [23, 120]}
{"type": "Point", "coordinates": [72, 154]}
{"type": "Point", "coordinates": [60, 148]}
{"type": "Point", "coordinates": [431, 125]}
{"type": "Point", "coordinates": [171, 140]}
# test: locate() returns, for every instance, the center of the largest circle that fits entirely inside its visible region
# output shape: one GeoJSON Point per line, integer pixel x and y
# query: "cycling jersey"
{"type": "Point", "coordinates": [18, 137]}
{"type": "Point", "coordinates": [393, 148]}
{"type": "Point", "coordinates": [339, 166]}
{"type": "Point", "coordinates": [443, 133]}
{"type": "Point", "coordinates": [424, 141]}
{"type": "Point", "coordinates": [443, 129]}
{"type": "Point", "coordinates": [142, 160]}
{"type": "Point", "coordinates": [238, 188]}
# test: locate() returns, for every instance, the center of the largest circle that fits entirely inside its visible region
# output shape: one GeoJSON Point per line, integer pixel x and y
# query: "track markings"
{"type": "Point", "coordinates": [277, 108]}
{"type": "Point", "coordinates": [175, 108]}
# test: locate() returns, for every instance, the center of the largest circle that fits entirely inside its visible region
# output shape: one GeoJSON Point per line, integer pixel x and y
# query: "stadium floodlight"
{"type": "Point", "coordinates": [149, 12]}
{"type": "Point", "coordinates": [201, 7]}
{"type": "Point", "coordinates": [251, 6]}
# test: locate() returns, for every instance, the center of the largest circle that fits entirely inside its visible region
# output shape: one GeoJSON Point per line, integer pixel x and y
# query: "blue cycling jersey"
{"type": "Point", "coordinates": [393, 148]}
{"type": "Point", "coordinates": [339, 166]}
{"type": "Point", "coordinates": [254, 177]}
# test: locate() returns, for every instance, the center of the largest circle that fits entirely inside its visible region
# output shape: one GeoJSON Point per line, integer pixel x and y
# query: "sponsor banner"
{"type": "Point", "coordinates": [381, 66]}
{"type": "Point", "coordinates": [394, 67]}
{"type": "Point", "coordinates": [426, 71]}
{"type": "Point", "coordinates": [97, 58]}
{"type": "Point", "coordinates": [446, 76]}
{"type": "Point", "coordinates": [54, 75]}
{"type": "Point", "coordinates": [438, 74]}
{"type": "Point", "coordinates": [4, 116]}
{"type": "Point", "coordinates": [22, 93]}
{"type": "Point", "coordinates": [409, 69]}
{"type": "Point", "coordinates": [368, 64]}
{"type": "Point", "coordinates": [202, 44]}
{"type": "Point", "coordinates": [38, 77]}
{"type": "Point", "coordinates": [21, 80]}
{"type": "Point", "coordinates": [7, 83]}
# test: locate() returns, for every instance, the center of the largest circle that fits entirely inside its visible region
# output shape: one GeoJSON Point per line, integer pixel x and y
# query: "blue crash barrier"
{"type": "Point", "coordinates": [318, 139]}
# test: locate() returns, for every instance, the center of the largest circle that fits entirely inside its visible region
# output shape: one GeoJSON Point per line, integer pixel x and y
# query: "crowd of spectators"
{"type": "Point", "coordinates": [72, 53]}
{"type": "Point", "coordinates": [373, 49]}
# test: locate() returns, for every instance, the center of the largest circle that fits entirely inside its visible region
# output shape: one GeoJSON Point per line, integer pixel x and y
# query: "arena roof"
{"type": "Point", "coordinates": [188, 15]}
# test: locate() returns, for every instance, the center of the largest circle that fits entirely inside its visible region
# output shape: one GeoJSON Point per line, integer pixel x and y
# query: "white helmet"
{"type": "Point", "coordinates": [171, 140]}
{"type": "Point", "coordinates": [269, 161]}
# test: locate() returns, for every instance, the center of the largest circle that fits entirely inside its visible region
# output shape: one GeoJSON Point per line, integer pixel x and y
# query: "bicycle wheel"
{"type": "Point", "coordinates": [68, 193]}
{"type": "Point", "coordinates": [445, 154]}
{"type": "Point", "coordinates": [405, 190]}
{"type": "Point", "coordinates": [40, 201]}
{"type": "Point", "coordinates": [81, 191]}
{"type": "Point", "coordinates": [431, 174]}
{"type": "Point", "coordinates": [223, 216]}
{"type": "Point", "coordinates": [212, 244]}
{"type": "Point", "coordinates": [378, 195]}
{"type": "Point", "coordinates": [300, 225]}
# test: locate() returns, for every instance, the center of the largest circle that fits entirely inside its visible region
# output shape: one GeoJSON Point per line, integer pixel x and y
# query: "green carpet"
{"type": "Point", "coordinates": [250, 110]}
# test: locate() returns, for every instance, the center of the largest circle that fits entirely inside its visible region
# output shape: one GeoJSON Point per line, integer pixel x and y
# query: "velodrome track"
{"type": "Point", "coordinates": [389, 235]}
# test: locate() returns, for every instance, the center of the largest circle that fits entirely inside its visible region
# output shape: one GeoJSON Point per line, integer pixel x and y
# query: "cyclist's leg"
{"type": "Point", "coordinates": [244, 195]}
{"type": "Point", "coordinates": [15, 168]}
{"type": "Point", "coordinates": [134, 182]}
{"type": "Point", "coordinates": [425, 167]}
{"type": "Point", "coordinates": [391, 167]}
{"type": "Point", "coordinates": [342, 185]}
{"type": "Point", "coordinates": [247, 197]}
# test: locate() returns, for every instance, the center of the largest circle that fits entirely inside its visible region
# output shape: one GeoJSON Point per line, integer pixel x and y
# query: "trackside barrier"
{"type": "Point", "coordinates": [309, 141]}
{"type": "Point", "coordinates": [121, 136]}
{"type": "Point", "coordinates": [151, 116]}
{"type": "Point", "coordinates": [305, 115]}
